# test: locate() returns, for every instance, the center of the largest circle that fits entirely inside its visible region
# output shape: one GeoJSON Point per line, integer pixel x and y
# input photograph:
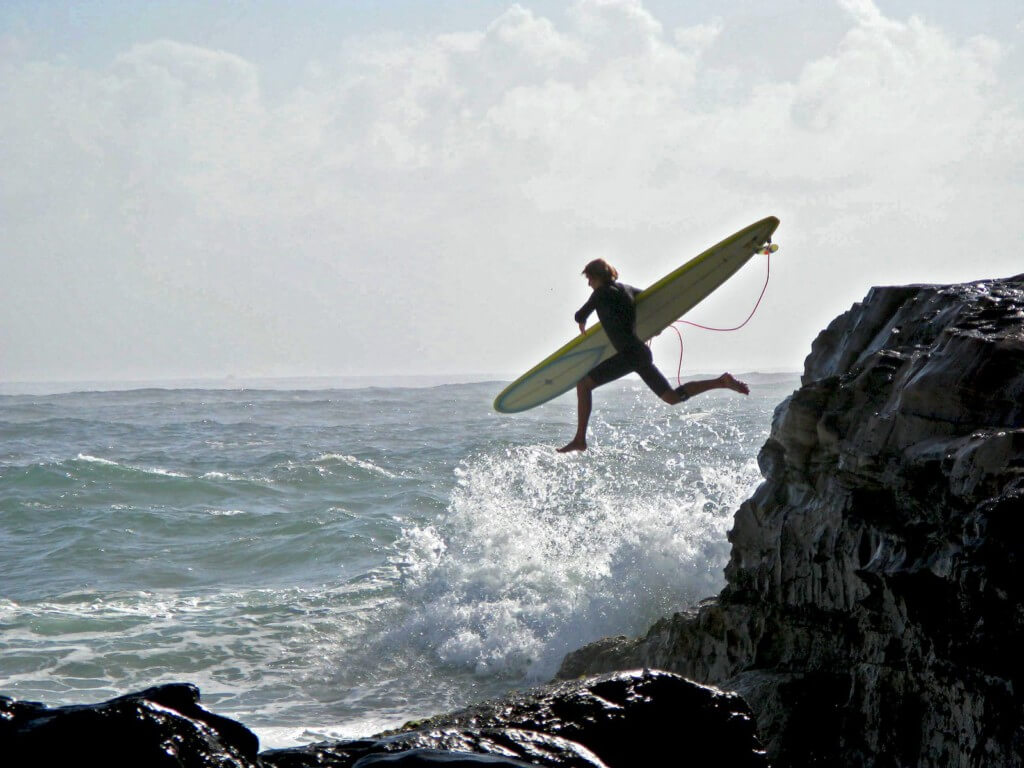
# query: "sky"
{"type": "Point", "coordinates": [271, 189]}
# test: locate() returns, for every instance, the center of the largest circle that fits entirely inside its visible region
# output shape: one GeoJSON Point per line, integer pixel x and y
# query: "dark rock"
{"type": "Point", "coordinates": [872, 613]}
{"type": "Point", "coordinates": [620, 721]}
{"type": "Point", "coordinates": [425, 758]}
{"type": "Point", "coordinates": [610, 721]}
{"type": "Point", "coordinates": [512, 744]}
{"type": "Point", "coordinates": [161, 726]}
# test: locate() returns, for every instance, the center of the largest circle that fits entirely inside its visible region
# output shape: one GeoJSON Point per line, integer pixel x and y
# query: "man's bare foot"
{"type": "Point", "coordinates": [575, 445]}
{"type": "Point", "coordinates": [734, 384]}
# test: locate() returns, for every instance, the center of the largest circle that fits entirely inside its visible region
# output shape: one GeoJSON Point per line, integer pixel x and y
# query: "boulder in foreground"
{"type": "Point", "coordinates": [161, 727]}
{"type": "Point", "coordinates": [621, 720]}
{"type": "Point", "coordinates": [611, 721]}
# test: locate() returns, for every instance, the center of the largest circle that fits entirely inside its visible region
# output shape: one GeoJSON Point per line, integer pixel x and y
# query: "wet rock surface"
{"type": "Point", "coordinates": [608, 721]}
{"type": "Point", "coordinates": [872, 612]}
{"type": "Point", "coordinates": [159, 727]}
{"type": "Point", "coordinates": [617, 720]}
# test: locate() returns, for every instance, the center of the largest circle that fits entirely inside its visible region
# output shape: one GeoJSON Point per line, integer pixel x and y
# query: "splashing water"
{"type": "Point", "coordinates": [538, 553]}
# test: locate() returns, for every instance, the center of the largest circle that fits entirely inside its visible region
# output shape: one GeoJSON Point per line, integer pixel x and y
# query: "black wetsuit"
{"type": "Point", "coordinates": [616, 309]}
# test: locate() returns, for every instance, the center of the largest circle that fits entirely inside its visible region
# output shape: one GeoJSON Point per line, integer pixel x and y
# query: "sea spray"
{"type": "Point", "coordinates": [539, 553]}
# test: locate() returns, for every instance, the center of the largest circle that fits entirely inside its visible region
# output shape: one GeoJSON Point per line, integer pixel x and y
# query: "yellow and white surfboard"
{"type": "Point", "coordinates": [657, 307]}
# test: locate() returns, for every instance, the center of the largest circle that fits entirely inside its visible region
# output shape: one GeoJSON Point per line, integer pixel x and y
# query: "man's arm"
{"type": "Point", "coordinates": [584, 312]}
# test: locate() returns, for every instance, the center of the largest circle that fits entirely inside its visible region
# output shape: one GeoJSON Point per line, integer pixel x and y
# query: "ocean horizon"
{"type": "Point", "coordinates": [327, 381]}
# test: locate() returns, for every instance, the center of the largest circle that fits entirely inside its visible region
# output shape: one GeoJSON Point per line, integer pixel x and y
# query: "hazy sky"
{"type": "Point", "coordinates": [193, 189]}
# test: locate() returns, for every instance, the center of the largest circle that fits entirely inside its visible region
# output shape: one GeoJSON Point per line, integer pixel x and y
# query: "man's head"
{"type": "Point", "coordinates": [599, 272]}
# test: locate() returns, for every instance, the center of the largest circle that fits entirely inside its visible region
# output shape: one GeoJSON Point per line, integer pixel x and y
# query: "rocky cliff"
{"type": "Point", "coordinates": [872, 614]}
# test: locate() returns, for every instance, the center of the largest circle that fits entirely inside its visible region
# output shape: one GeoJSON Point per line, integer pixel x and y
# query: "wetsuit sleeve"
{"type": "Point", "coordinates": [584, 311]}
{"type": "Point", "coordinates": [633, 292]}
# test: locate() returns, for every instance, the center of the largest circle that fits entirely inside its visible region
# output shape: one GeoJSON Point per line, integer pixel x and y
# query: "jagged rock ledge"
{"type": "Point", "coordinates": [872, 613]}
{"type": "Point", "coordinates": [609, 721]}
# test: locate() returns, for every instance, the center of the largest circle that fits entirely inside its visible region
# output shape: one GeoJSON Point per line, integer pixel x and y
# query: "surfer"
{"type": "Point", "coordinates": [615, 303]}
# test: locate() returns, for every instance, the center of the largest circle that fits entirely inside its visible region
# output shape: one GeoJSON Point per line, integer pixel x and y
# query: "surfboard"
{"type": "Point", "coordinates": [657, 307]}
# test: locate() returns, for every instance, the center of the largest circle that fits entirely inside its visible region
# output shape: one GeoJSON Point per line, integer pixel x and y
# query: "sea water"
{"type": "Point", "coordinates": [327, 563]}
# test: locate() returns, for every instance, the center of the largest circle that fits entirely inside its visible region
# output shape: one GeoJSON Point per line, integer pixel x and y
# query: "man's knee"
{"type": "Point", "coordinates": [586, 384]}
{"type": "Point", "coordinates": [671, 397]}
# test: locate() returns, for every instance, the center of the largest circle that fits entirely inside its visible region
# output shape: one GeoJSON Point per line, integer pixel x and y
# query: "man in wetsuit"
{"type": "Point", "coordinates": [615, 303]}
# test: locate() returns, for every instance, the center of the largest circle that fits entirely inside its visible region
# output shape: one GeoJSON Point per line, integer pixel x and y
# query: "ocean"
{"type": "Point", "coordinates": [331, 562]}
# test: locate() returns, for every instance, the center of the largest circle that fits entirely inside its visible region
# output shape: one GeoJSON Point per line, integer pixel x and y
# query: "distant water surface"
{"type": "Point", "coordinates": [329, 563]}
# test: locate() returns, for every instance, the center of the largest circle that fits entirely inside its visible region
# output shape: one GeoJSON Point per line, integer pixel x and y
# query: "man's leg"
{"type": "Point", "coordinates": [584, 404]}
{"type": "Point", "coordinates": [691, 388]}
{"type": "Point", "coordinates": [615, 367]}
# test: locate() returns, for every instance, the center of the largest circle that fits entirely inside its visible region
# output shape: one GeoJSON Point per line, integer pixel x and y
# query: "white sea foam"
{"type": "Point", "coordinates": [97, 460]}
{"type": "Point", "coordinates": [228, 640]}
{"type": "Point", "coordinates": [219, 476]}
{"type": "Point", "coordinates": [8, 609]}
{"type": "Point", "coordinates": [353, 461]}
{"type": "Point", "coordinates": [540, 553]}
{"type": "Point", "coordinates": [282, 738]}
{"type": "Point", "coordinates": [160, 471]}
{"type": "Point", "coordinates": [146, 470]}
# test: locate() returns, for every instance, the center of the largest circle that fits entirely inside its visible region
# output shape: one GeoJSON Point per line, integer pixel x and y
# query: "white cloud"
{"type": "Point", "coordinates": [533, 40]}
{"type": "Point", "coordinates": [699, 36]}
{"type": "Point", "coordinates": [401, 207]}
{"type": "Point", "coordinates": [867, 15]}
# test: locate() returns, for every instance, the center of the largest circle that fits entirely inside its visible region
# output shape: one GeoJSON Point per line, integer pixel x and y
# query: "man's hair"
{"type": "Point", "coordinates": [601, 269]}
